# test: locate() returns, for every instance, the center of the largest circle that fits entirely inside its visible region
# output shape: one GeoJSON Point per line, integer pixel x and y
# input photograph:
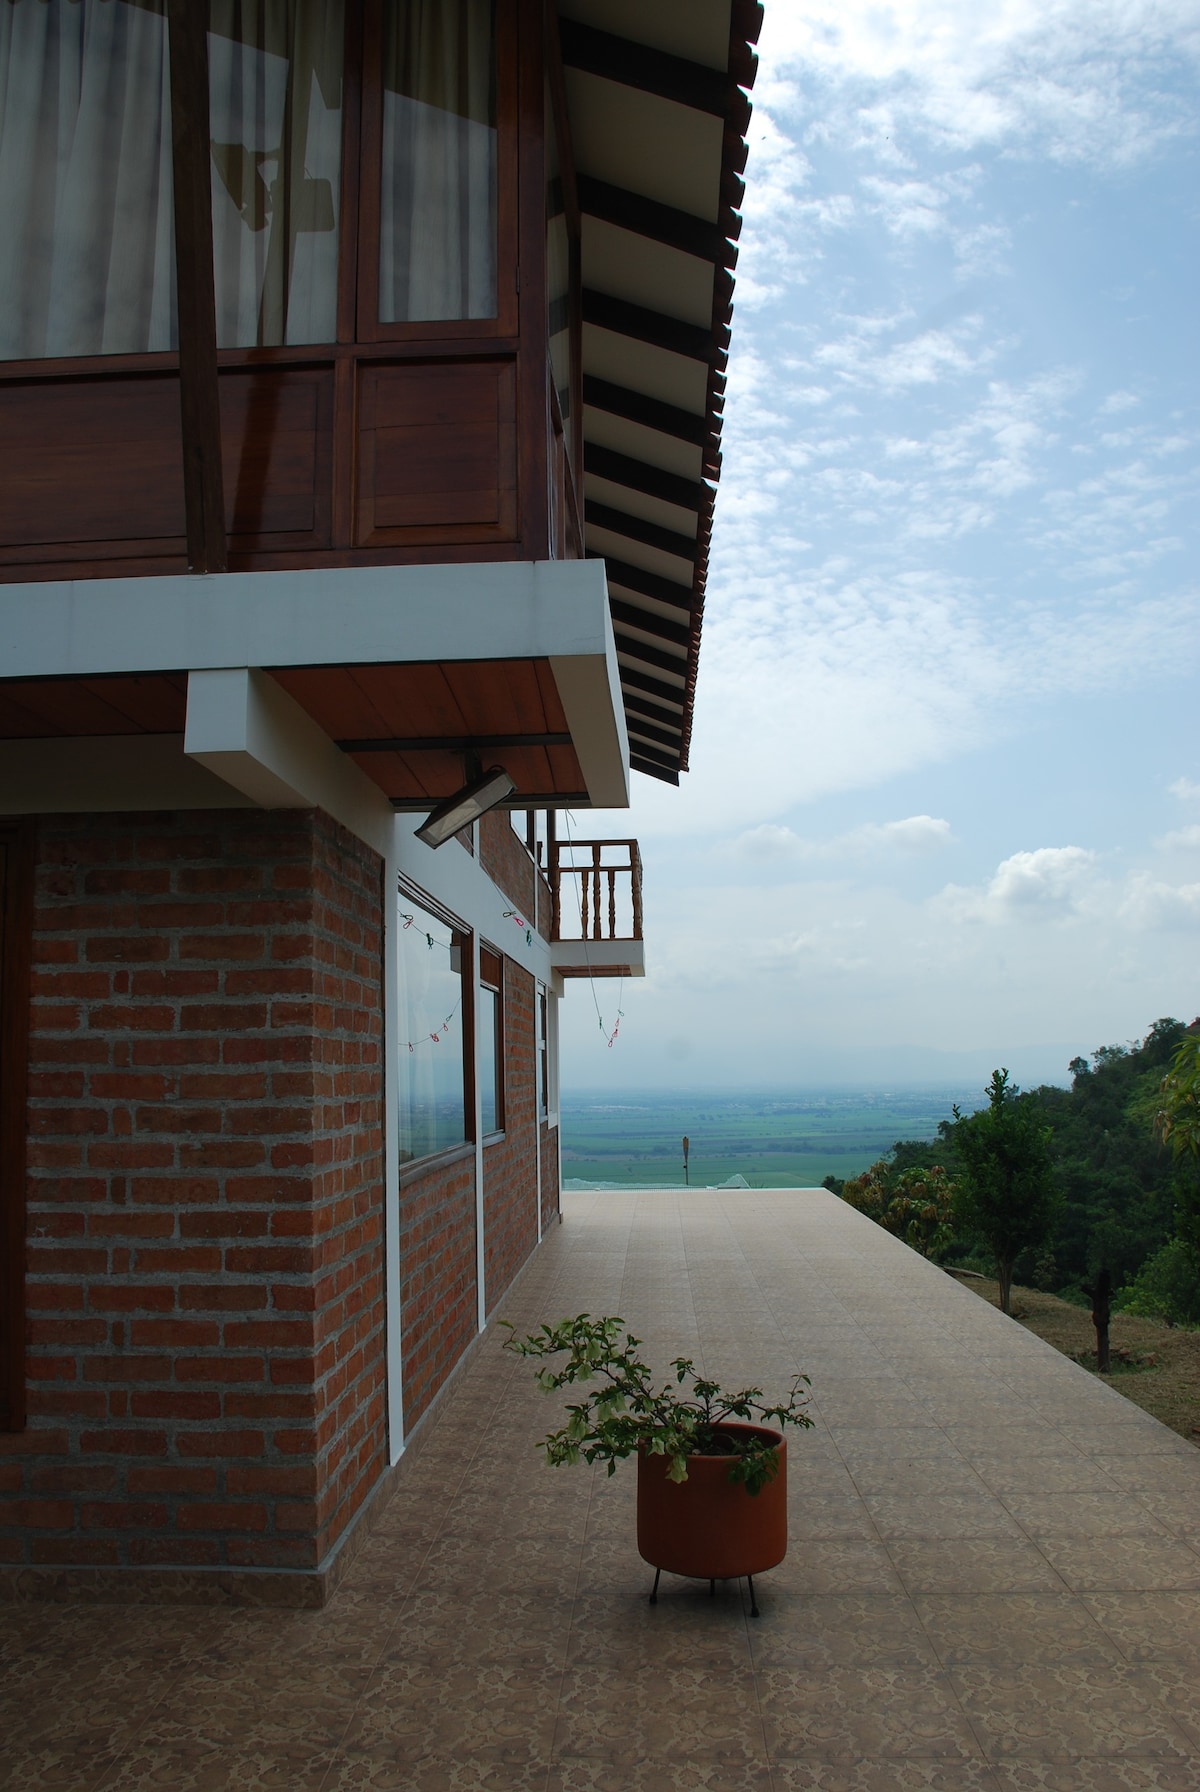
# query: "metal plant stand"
{"type": "Point", "coordinates": [712, 1591]}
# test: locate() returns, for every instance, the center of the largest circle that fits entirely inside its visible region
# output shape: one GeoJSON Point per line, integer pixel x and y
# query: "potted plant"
{"type": "Point", "coordinates": [712, 1473]}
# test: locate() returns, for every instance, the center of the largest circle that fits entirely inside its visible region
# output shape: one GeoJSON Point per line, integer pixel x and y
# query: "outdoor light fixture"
{"type": "Point", "coordinates": [466, 805]}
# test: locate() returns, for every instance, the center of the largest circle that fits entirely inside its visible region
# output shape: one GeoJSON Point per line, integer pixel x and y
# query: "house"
{"type": "Point", "coordinates": [361, 374]}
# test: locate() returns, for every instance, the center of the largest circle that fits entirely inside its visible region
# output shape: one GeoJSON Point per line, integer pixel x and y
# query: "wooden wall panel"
{"type": "Point", "coordinates": [437, 452]}
{"type": "Point", "coordinates": [93, 466]}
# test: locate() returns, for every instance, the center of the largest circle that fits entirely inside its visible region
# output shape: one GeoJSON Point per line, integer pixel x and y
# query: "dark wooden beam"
{"type": "Point", "coordinates": [196, 309]}
{"type": "Point", "coordinates": [649, 656]}
{"type": "Point", "coordinates": [657, 710]}
{"type": "Point", "coordinates": [618, 522]}
{"type": "Point", "coordinates": [457, 743]}
{"type": "Point", "coordinates": [520, 799]}
{"type": "Point", "coordinates": [649, 623]}
{"type": "Point", "coordinates": [640, 324]}
{"type": "Point", "coordinates": [661, 223]}
{"type": "Point", "coordinates": [633, 680]}
{"type": "Point", "coordinates": [651, 413]}
{"type": "Point", "coordinates": [667, 771]}
{"type": "Point", "coordinates": [663, 737]}
{"type": "Point", "coordinates": [668, 77]}
{"type": "Point", "coordinates": [647, 584]}
{"type": "Point", "coordinates": [640, 476]}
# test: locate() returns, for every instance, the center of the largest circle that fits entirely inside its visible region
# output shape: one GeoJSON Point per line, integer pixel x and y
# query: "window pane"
{"type": "Point", "coordinates": [86, 200]}
{"type": "Point", "coordinates": [275, 89]}
{"type": "Point", "coordinates": [86, 204]}
{"type": "Point", "coordinates": [489, 1061]}
{"type": "Point", "coordinates": [432, 1079]}
{"type": "Point", "coordinates": [437, 238]}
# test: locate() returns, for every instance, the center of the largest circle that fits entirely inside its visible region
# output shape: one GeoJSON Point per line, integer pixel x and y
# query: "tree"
{"type": "Point", "coordinates": [914, 1205]}
{"type": "Point", "coordinates": [1177, 1121]}
{"type": "Point", "coordinates": [1007, 1190]}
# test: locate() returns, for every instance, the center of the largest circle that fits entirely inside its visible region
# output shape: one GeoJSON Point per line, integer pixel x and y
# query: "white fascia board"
{"type": "Point", "coordinates": [582, 956]}
{"type": "Point", "coordinates": [246, 730]}
{"type": "Point", "coordinates": [337, 616]}
{"type": "Point", "coordinates": [369, 615]}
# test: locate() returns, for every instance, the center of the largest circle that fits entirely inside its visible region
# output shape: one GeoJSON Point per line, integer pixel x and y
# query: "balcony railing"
{"type": "Point", "coordinates": [596, 887]}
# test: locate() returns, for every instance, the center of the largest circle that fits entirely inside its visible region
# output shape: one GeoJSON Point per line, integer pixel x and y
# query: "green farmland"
{"type": "Point", "coordinates": [774, 1139]}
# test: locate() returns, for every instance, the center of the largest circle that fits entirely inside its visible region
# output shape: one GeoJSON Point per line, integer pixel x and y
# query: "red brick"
{"type": "Point", "coordinates": [122, 1515]}
{"type": "Point", "coordinates": [138, 948]}
{"type": "Point", "coordinates": [220, 1368]}
{"type": "Point", "coordinates": [175, 1480]}
{"type": "Point", "coordinates": [219, 1445]}
{"type": "Point", "coordinates": [173, 1334]}
{"type": "Point", "coordinates": [175, 1403]}
{"type": "Point", "coordinates": [231, 1515]}
{"type": "Point", "coordinates": [41, 1515]}
{"type": "Point", "coordinates": [73, 1478]}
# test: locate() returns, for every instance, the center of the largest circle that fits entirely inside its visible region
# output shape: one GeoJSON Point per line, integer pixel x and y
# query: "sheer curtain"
{"type": "Point", "coordinates": [85, 179]}
{"type": "Point", "coordinates": [275, 79]}
{"type": "Point", "coordinates": [437, 250]}
{"type": "Point", "coordinates": [86, 204]}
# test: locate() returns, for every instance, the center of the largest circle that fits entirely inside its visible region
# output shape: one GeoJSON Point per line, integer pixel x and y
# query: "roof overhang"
{"type": "Point", "coordinates": [658, 113]}
{"type": "Point", "coordinates": [378, 657]}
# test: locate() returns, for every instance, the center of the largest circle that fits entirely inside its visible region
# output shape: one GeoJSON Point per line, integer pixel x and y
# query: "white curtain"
{"type": "Point", "coordinates": [86, 203]}
{"type": "Point", "coordinates": [437, 250]}
{"type": "Point", "coordinates": [87, 266]}
{"type": "Point", "coordinates": [275, 75]}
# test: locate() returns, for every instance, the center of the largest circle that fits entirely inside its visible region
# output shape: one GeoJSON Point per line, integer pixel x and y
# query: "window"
{"type": "Point", "coordinates": [543, 1052]}
{"type": "Point", "coordinates": [490, 1025]}
{"type": "Point", "coordinates": [437, 234]}
{"type": "Point", "coordinates": [15, 941]}
{"type": "Point", "coordinates": [86, 184]}
{"type": "Point", "coordinates": [432, 1072]}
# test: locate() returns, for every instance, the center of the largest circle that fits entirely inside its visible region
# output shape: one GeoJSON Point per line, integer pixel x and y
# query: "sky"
{"type": "Point", "coordinates": [944, 804]}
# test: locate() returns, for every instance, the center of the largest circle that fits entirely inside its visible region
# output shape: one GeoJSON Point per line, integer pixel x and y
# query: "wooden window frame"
{"type": "Point", "coordinates": [368, 327]}
{"type": "Point", "coordinates": [16, 949]}
{"type": "Point", "coordinates": [491, 978]}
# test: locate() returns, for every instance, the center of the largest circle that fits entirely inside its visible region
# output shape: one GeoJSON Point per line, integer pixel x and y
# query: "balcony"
{"type": "Point", "coordinates": [991, 1585]}
{"type": "Point", "coordinates": [596, 918]}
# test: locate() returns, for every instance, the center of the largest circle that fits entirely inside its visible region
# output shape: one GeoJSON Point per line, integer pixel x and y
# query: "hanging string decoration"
{"type": "Point", "coordinates": [510, 914]}
{"type": "Point", "coordinates": [436, 1037]}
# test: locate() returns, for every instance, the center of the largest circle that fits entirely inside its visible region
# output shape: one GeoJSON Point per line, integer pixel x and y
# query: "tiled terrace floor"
{"type": "Point", "coordinates": [993, 1583]}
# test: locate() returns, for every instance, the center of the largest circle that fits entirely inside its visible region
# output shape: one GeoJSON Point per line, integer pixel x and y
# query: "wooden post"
{"type": "Point", "coordinates": [552, 873]}
{"type": "Point", "coordinates": [196, 306]}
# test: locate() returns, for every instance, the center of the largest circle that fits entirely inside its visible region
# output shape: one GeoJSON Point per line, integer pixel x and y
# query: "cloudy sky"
{"type": "Point", "coordinates": [944, 806]}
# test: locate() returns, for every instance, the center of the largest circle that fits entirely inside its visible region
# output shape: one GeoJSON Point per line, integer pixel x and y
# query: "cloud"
{"type": "Point", "coordinates": [1185, 790]}
{"type": "Point", "coordinates": [1077, 80]}
{"type": "Point", "coordinates": [1116, 402]}
{"type": "Point", "coordinates": [1182, 840]}
{"type": "Point", "coordinates": [915, 834]}
{"type": "Point", "coordinates": [1049, 883]}
{"type": "Point", "coordinates": [1152, 906]}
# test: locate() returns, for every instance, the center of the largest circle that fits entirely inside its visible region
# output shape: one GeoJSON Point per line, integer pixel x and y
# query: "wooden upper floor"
{"type": "Point", "coordinates": [387, 282]}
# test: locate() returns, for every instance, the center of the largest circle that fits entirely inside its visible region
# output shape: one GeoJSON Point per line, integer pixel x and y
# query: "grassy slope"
{"type": "Point", "coordinates": [1168, 1386]}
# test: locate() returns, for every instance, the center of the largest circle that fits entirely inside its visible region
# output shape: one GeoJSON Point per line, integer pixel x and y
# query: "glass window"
{"type": "Point", "coordinates": [86, 184]}
{"type": "Point", "coordinates": [490, 1021]}
{"type": "Point", "coordinates": [433, 1114]}
{"type": "Point", "coordinates": [543, 1050]}
{"type": "Point", "coordinates": [275, 115]}
{"type": "Point", "coordinates": [437, 239]}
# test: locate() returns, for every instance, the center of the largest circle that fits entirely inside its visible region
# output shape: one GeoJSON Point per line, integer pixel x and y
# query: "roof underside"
{"type": "Point", "coordinates": [658, 121]}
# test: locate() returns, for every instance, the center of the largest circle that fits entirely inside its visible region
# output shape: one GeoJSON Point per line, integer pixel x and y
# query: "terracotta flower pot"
{"type": "Point", "coordinates": [708, 1526]}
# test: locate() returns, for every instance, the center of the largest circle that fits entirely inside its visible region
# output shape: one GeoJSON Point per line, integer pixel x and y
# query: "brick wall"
{"type": "Point", "coordinates": [508, 864]}
{"type": "Point", "coordinates": [438, 1299]}
{"type": "Point", "coordinates": [551, 1175]}
{"type": "Point", "coordinates": [510, 1192]}
{"type": "Point", "coordinates": [205, 1267]}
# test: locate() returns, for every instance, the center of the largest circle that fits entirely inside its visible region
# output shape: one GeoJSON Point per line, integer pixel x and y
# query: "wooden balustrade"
{"type": "Point", "coordinates": [591, 871]}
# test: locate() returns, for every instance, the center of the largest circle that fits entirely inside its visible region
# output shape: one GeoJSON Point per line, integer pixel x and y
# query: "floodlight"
{"type": "Point", "coordinates": [467, 805]}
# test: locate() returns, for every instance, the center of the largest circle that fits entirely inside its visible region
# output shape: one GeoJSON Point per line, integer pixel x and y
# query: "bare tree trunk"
{"type": "Point", "coordinates": [1101, 1298]}
{"type": "Point", "coordinates": [1004, 1273]}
